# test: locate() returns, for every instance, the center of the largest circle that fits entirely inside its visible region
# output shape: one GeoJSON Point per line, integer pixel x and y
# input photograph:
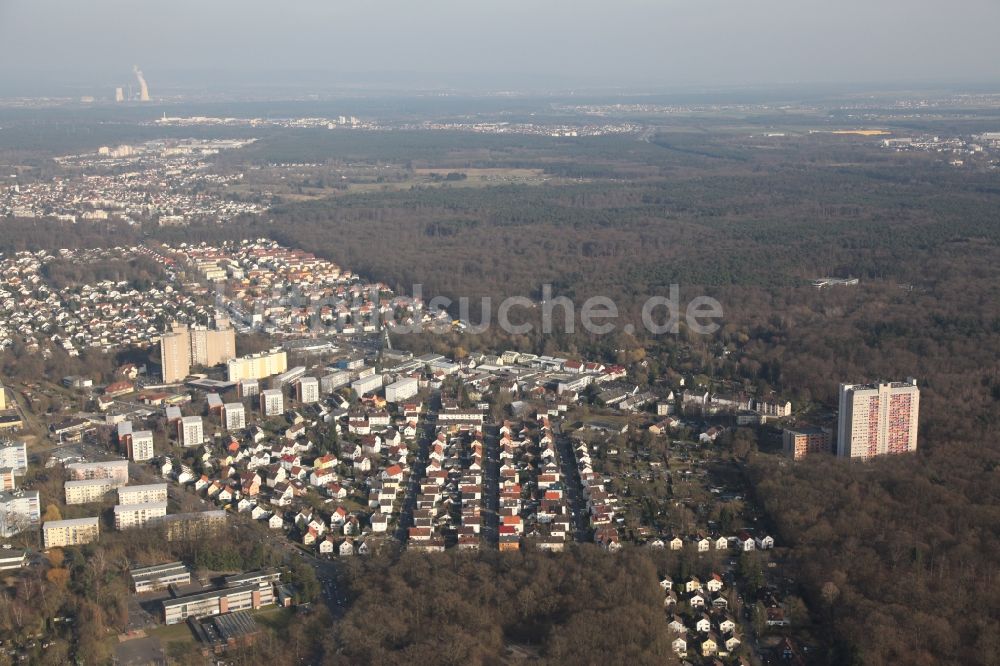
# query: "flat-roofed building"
{"type": "Point", "coordinates": [86, 491]}
{"type": "Point", "coordinates": [878, 419]}
{"type": "Point", "coordinates": [402, 390]}
{"type": "Point", "coordinates": [123, 430]}
{"type": "Point", "coordinates": [190, 431]}
{"type": "Point", "coordinates": [352, 363]}
{"type": "Point", "coordinates": [13, 559]}
{"type": "Point", "coordinates": [138, 515]}
{"type": "Point", "coordinates": [272, 402]}
{"type": "Point", "coordinates": [11, 421]}
{"type": "Point", "coordinates": [175, 353]}
{"type": "Point", "coordinates": [217, 602]}
{"type": "Point", "coordinates": [220, 633]}
{"type": "Point", "coordinates": [289, 376]}
{"type": "Point", "coordinates": [181, 346]}
{"type": "Point", "coordinates": [458, 415]}
{"type": "Point", "coordinates": [257, 366]}
{"type": "Point", "coordinates": [773, 409]}
{"type": "Point", "coordinates": [800, 443]}
{"type": "Point", "coordinates": [234, 415]}
{"type": "Point", "coordinates": [249, 388]}
{"type": "Point", "coordinates": [335, 380]}
{"type": "Point", "coordinates": [193, 526]}
{"type": "Point", "coordinates": [71, 429]}
{"type": "Point", "coordinates": [212, 347]}
{"type": "Point", "coordinates": [19, 511]}
{"type": "Point", "coordinates": [73, 532]}
{"type": "Point", "coordinates": [214, 402]}
{"type": "Point", "coordinates": [367, 384]}
{"type": "Point", "coordinates": [258, 577]}
{"type": "Point", "coordinates": [116, 470]}
{"type": "Point", "coordinates": [140, 446]}
{"type": "Point", "coordinates": [159, 576]}
{"type": "Point", "coordinates": [15, 456]}
{"type": "Point", "coordinates": [8, 481]}
{"type": "Point", "coordinates": [308, 390]}
{"type": "Point", "coordinates": [150, 492]}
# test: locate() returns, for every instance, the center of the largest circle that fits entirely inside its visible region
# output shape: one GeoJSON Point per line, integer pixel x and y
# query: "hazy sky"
{"type": "Point", "coordinates": [485, 43]}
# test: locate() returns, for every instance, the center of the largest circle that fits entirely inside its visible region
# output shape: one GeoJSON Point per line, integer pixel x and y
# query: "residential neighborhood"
{"type": "Point", "coordinates": [169, 181]}
{"type": "Point", "coordinates": [333, 469]}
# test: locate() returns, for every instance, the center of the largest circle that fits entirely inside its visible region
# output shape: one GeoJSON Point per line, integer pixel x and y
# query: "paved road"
{"type": "Point", "coordinates": [574, 489]}
{"type": "Point", "coordinates": [425, 437]}
{"type": "Point", "coordinates": [490, 535]}
{"type": "Point", "coordinates": [327, 571]}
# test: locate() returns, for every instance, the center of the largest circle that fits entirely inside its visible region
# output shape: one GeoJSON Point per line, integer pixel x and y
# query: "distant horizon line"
{"type": "Point", "coordinates": [43, 82]}
{"type": "Point", "coordinates": [275, 91]}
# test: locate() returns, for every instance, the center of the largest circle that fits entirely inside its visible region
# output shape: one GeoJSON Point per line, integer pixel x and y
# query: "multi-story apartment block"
{"type": "Point", "coordinates": [140, 446]}
{"type": "Point", "coordinates": [15, 456]}
{"type": "Point", "coordinates": [234, 414]}
{"type": "Point", "coordinates": [404, 389]}
{"type": "Point", "coordinates": [773, 409]}
{"type": "Point", "coordinates": [367, 384]}
{"type": "Point", "coordinates": [308, 390]}
{"type": "Point", "coordinates": [196, 525]}
{"type": "Point", "coordinates": [8, 481]}
{"type": "Point", "coordinates": [257, 366]}
{"type": "Point", "coordinates": [190, 431]}
{"type": "Point", "coordinates": [272, 402]}
{"type": "Point", "coordinates": [182, 347]}
{"type": "Point", "coordinates": [248, 388]}
{"type": "Point", "coordinates": [124, 432]}
{"type": "Point", "coordinates": [19, 510]}
{"type": "Point", "coordinates": [151, 492]}
{"type": "Point", "coordinates": [117, 470]}
{"type": "Point", "coordinates": [137, 515]}
{"type": "Point", "coordinates": [86, 491]}
{"type": "Point", "coordinates": [74, 532]}
{"type": "Point", "coordinates": [175, 353]}
{"type": "Point", "coordinates": [213, 347]}
{"type": "Point", "coordinates": [877, 419]}
{"type": "Point", "coordinates": [800, 443]}
{"type": "Point", "coordinates": [333, 381]}
{"type": "Point", "coordinates": [289, 376]}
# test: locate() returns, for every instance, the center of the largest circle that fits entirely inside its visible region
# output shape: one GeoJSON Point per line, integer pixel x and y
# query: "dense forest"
{"type": "Point", "coordinates": [458, 608]}
{"type": "Point", "coordinates": [900, 557]}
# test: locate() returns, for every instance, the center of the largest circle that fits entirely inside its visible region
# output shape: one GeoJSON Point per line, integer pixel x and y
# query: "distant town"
{"type": "Point", "coordinates": [159, 180]}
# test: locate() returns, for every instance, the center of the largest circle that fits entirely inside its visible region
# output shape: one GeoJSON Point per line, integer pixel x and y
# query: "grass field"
{"type": "Point", "coordinates": [276, 619]}
{"type": "Point", "coordinates": [419, 177]}
{"type": "Point", "coordinates": [170, 634]}
{"type": "Point", "coordinates": [492, 176]}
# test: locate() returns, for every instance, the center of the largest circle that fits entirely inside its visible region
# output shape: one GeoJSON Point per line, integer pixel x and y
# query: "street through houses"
{"type": "Point", "coordinates": [491, 487]}
{"type": "Point", "coordinates": [425, 436]}
{"type": "Point", "coordinates": [574, 489]}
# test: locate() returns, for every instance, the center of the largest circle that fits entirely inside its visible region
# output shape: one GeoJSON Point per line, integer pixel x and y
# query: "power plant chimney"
{"type": "Point", "coordinates": [143, 88]}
